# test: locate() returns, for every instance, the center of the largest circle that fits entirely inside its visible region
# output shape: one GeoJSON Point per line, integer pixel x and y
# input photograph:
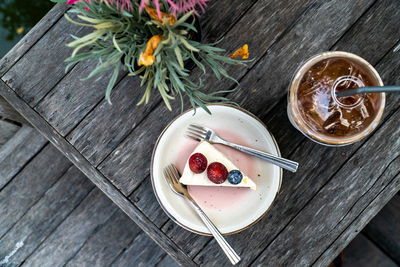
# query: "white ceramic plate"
{"type": "Point", "coordinates": [231, 211]}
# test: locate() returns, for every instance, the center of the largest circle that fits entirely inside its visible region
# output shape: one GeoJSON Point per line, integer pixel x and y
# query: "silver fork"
{"type": "Point", "coordinates": [200, 133]}
{"type": "Point", "coordinates": [172, 176]}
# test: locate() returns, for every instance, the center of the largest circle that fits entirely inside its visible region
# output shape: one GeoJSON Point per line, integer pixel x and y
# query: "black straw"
{"type": "Point", "coordinates": [369, 89]}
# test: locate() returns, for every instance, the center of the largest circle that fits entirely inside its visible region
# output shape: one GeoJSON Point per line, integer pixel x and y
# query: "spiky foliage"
{"type": "Point", "coordinates": [177, 6]}
{"type": "Point", "coordinates": [122, 35]}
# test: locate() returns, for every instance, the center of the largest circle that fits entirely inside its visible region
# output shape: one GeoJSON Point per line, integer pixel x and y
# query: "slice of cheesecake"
{"type": "Point", "coordinates": [209, 171]}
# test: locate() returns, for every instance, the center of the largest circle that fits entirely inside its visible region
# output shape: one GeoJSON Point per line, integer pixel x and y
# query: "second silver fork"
{"type": "Point", "coordinates": [199, 133]}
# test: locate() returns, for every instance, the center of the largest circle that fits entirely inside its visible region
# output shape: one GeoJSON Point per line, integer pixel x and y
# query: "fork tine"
{"type": "Point", "coordinates": [175, 173]}
{"type": "Point", "coordinates": [196, 138]}
{"type": "Point", "coordinates": [196, 132]}
{"type": "Point", "coordinates": [198, 127]}
{"type": "Point", "coordinates": [170, 176]}
{"type": "Point", "coordinates": [196, 135]}
{"type": "Point", "coordinates": [167, 176]}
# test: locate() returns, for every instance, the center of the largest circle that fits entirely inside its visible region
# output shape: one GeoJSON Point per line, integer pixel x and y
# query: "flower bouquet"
{"type": "Point", "coordinates": [155, 40]}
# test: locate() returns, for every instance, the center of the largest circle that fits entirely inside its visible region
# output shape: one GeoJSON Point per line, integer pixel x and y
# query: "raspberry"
{"type": "Point", "coordinates": [197, 163]}
{"type": "Point", "coordinates": [217, 173]}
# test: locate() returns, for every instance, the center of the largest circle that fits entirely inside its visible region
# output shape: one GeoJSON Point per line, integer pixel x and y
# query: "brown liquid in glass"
{"type": "Point", "coordinates": [341, 117]}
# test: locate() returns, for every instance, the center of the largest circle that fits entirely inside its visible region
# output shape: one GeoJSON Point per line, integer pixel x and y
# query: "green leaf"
{"type": "Point", "coordinates": [165, 97]}
{"type": "Point", "coordinates": [198, 63]}
{"type": "Point", "coordinates": [116, 44]}
{"type": "Point", "coordinates": [187, 45]}
{"type": "Point", "coordinates": [182, 19]}
{"type": "Point", "coordinates": [111, 83]}
{"type": "Point", "coordinates": [179, 56]}
{"type": "Point", "coordinates": [58, 1]}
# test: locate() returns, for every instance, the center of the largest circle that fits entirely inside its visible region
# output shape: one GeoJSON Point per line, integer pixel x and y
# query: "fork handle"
{"type": "Point", "coordinates": [230, 253]}
{"type": "Point", "coordinates": [281, 162]}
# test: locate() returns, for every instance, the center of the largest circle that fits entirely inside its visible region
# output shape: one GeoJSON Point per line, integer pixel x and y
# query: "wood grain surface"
{"type": "Point", "coordinates": [29, 184]}
{"type": "Point", "coordinates": [32, 37]}
{"type": "Point", "coordinates": [15, 153]}
{"type": "Point", "coordinates": [44, 216]}
{"type": "Point", "coordinates": [94, 175]}
{"type": "Point", "coordinates": [340, 188]}
{"type": "Point", "coordinates": [28, 77]}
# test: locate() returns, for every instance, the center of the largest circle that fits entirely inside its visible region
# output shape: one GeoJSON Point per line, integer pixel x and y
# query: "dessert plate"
{"type": "Point", "coordinates": [231, 209]}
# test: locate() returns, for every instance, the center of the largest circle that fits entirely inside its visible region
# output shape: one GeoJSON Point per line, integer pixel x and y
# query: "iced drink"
{"type": "Point", "coordinates": [317, 112]}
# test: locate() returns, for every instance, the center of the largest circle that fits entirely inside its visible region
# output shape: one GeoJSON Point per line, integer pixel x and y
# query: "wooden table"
{"type": "Point", "coordinates": [319, 210]}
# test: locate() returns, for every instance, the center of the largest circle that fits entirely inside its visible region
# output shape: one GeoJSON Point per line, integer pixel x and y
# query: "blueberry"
{"type": "Point", "coordinates": [235, 177]}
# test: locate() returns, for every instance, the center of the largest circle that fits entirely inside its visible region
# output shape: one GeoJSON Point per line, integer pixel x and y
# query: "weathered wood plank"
{"type": "Point", "coordinates": [95, 176]}
{"type": "Point", "coordinates": [31, 37]}
{"type": "Point", "coordinates": [362, 252]}
{"type": "Point", "coordinates": [131, 170]}
{"type": "Point", "coordinates": [72, 233]}
{"type": "Point", "coordinates": [28, 77]}
{"type": "Point", "coordinates": [189, 242]}
{"type": "Point", "coordinates": [43, 217]}
{"type": "Point", "coordinates": [29, 186]}
{"type": "Point", "coordinates": [145, 200]}
{"type": "Point", "coordinates": [107, 242]}
{"type": "Point", "coordinates": [141, 252]}
{"type": "Point", "coordinates": [226, 14]}
{"type": "Point", "coordinates": [374, 207]}
{"type": "Point", "coordinates": [340, 201]}
{"type": "Point", "coordinates": [71, 99]}
{"type": "Point", "coordinates": [384, 229]}
{"type": "Point", "coordinates": [8, 112]}
{"type": "Point", "coordinates": [18, 151]}
{"type": "Point", "coordinates": [106, 126]}
{"type": "Point", "coordinates": [290, 200]}
{"type": "Point", "coordinates": [380, 21]}
{"type": "Point", "coordinates": [167, 261]}
{"type": "Point", "coordinates": [7, 130]}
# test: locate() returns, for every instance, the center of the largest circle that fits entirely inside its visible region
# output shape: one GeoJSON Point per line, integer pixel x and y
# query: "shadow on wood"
{"type": "Point", "coordinates": [9, 113]}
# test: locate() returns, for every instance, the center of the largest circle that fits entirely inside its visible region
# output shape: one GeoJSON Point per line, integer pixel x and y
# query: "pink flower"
{"type": "Point", "coordinates": [122, 4]}
{"type": "Point", "coordinates": [177, 6]}
{"type": "Point", "coordinates": [73, 2]}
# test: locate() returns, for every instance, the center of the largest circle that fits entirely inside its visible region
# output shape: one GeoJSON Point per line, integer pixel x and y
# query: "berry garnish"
{"type": "Point", "coordinates": [197, 163]}
{"type": "Point", "coordinates": [217, 173]}
{"type": "Point", "coordinates": [235, 177]}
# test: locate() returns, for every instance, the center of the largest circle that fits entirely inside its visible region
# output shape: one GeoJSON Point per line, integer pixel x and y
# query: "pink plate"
{"type": "Point", "coordinates": [231, 209]}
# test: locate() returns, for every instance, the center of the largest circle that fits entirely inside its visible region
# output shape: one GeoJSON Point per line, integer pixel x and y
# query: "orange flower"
{"type": "Point", "coordinates": [147, 58]}
{"type": "Point", "coordinates": [241, 52]}
{"type": "Point", "coordinates": [153, 13]}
